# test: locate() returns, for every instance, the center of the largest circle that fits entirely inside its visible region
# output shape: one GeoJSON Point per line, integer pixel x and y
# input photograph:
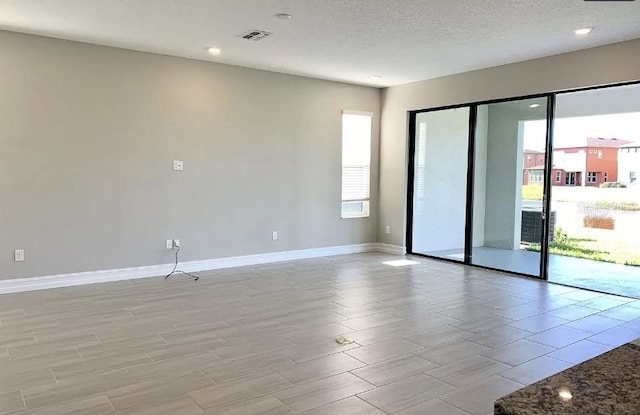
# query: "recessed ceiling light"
{"type": "Point", "coordinates": [284, 16]}
{"type": "Point", "coordinates": [583, 31]}
{"type": "Point", "coordinates": [215, 51]}
{"type": "Point", "coordinates": [534, 105]}
{"type": "Point", "coordinates": [375, 77]}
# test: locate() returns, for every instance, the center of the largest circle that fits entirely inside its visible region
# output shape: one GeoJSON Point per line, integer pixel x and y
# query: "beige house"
{"type": "Point", "coordinates": [629, 163]}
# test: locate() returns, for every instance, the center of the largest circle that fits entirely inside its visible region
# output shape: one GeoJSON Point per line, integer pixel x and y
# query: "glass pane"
{"type": "Point", "coordinates": [508, 185]}
{"type": "Point", "coordinates": [596, 160]}
{"type": "Point", "coordinates": [440, 183]}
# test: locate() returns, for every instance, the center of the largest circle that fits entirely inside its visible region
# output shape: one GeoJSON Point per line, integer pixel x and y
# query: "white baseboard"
{"type": "Point", "coordinates": [92, 277]}
{"type": "Point", "coordinates": [391, 249]}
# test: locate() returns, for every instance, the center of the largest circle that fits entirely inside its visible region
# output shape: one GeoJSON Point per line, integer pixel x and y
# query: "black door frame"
{"type": "Point", "coordinates": [547, 188]}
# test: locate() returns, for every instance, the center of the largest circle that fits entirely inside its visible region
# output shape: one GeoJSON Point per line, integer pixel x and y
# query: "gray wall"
{"type": "Point", "coordinates": [598, 66]}
{"type": "Point", "coordinates": [88, 134]}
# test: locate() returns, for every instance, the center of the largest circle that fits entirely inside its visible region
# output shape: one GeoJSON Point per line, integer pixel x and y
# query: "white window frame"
{"type": "Point", "coordinates": [537, 176]}
{"type": "Point", "coordinates": [356, 175]}
{"type": "Point", "coordinates": [606, 176]}
{"type": "Point", "coordinates": [558, 176]}
{"type": "Point", "coordinates": [592, 177]}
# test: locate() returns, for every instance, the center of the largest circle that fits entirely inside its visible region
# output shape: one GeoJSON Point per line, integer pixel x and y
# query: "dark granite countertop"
{"type": "Point", "coordinates": [607, 384]}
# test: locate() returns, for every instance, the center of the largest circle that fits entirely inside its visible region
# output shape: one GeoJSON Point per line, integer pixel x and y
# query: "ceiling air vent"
{"type": "Point", "coordinates": [255, 35]}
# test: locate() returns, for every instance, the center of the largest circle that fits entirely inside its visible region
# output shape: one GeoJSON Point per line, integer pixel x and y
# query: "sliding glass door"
{"type": "Point", "coordinates": [508, 185]}
{"type": "Point", "coordinates": [595, 191]}
{"type": "Point", "coordinates": [544, 186]}
{"type": "Point", "coordinates": [439, 192]}
{"type": "Point", "coordinates": [477, 196]}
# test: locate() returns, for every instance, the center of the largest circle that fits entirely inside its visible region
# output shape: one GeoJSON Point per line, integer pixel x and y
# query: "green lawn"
{"type": "Point", "coordinates": [532, 192]}
{"type": "Point", "coordinates": [618, 252]}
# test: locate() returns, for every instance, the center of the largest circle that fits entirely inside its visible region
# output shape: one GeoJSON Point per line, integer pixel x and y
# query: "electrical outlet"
{"type": "Point", "coordinates": [274, 235]}
{"type": "Point", "coordinates": [169, 244]}
{"type": "Point", "coordinates": [18, 255]}
{"type": "Point", "coordinates": [178, 165]}
{"type": "Point", "coordinates": [176, 243]}
{"type": "Point", "coordinates": [387, 229]}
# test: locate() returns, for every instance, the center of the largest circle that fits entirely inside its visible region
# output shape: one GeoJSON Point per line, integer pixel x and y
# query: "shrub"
{"type": "Point", "coordinates": [560, 236]}
{"type": "Point", "coordinates": [593, 207]}
{"type": "Point", "coordinates": [616, 185]}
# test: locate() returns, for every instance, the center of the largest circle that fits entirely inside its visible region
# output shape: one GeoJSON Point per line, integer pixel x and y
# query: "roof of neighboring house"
{"type": "Point", "coordinates": [598, 142]}
{"type": "Point", "coordinates": [631, 144]}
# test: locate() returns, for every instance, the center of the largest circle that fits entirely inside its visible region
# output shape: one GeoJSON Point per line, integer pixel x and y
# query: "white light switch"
{"type": "Point", "coordinates": [178, 165]}
{"type": "Point", "coordinates": [18, 255]}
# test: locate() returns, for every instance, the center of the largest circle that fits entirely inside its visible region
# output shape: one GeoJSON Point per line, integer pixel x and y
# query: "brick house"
{"type": "Point", "coordinates": [533, 167]}
{"type": "Point", "coordinates": [591, 164]}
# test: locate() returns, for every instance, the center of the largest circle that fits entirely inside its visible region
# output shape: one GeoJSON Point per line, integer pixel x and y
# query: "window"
{"type": "Point", "coordinates": [558, 176]}
{"type": "Point", "coordinates": [356, 164]}
{"type": "Point", "coordinates": [606, 176]}
{"type": "Point", "coordinates": [537, 176]}
{"type": "Point", "coordinates": [592, 177]}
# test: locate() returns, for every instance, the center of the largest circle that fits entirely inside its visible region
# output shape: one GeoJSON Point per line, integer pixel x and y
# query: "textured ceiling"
{"type": "Point", "coordinates": [344, 40]}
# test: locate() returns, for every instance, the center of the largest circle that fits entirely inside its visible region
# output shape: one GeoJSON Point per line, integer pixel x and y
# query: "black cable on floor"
{"type": "Point", "coordinates": [179, 271]}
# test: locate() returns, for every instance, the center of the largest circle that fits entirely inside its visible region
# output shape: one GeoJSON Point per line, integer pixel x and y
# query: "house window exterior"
{"type": "Point", "coordinates": [592, 177]}
{"type": "Point", "coordinates": [537, 176]}
{"type": "Point", "coordinates": [558, 176]}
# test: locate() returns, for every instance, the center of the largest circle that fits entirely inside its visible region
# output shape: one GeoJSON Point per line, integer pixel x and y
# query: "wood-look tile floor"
{"type": "Point", "coordinates": [432, 338]}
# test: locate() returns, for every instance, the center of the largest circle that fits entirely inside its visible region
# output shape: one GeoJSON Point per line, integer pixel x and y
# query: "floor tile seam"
{"type": "Point", "coordinates": [371, 383]}
{"type": "Point", "coordinates": [618, 319]}
{"type": "Point", "coordinates": [251, 396]}
{"type": "Point", "coordinates": [542, 311]}
{"type": "Point", "coordinates": [321, 377]}
{"type": "Point", "coordinates": [24, 402]}
{"type": "Point", "coordinates": [566, 326]}
{"type": "Point", "coordinates": [421, 402]}
{"type": "Point", "coordinates": [605, 344]}
{"type": "Point", "coordinates": [564, 345]}
{"type": "Point", "coordinates": [420, 350]}
{"type": "Point", "coordinates": [591, 332]}
{"type": "Point", "coordinates": [439, 398]}
{"type": "Point", "coordinates": [48, 405]}
{"type": "Point", "coordinates": [55, 378]}
{"type": "Point", "coordinates": [282, 402]}
{"type": "Point", "coordinates": [555, 349]}
{"type": "Point", "coordinates": [160, 400]}
{"type": "Point", "coordinates": [369, 403]}
{"type": "Point", "coordinates": [477, 380]}
{"type": "Point", "coordinates": [186, 397]}
{"type": "Point", "coordinates": [501, 373]}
